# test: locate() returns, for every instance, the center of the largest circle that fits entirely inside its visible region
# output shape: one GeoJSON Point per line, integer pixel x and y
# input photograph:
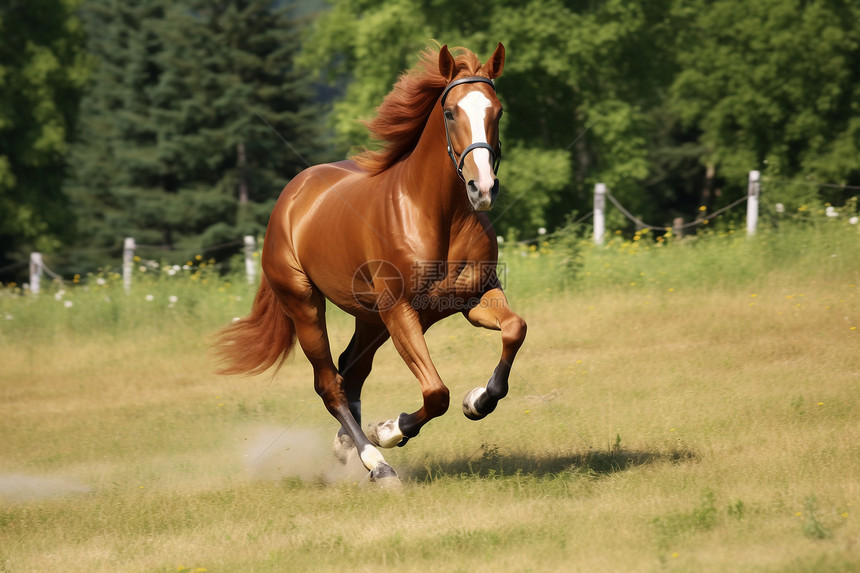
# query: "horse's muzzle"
{"type": "Point", "coordinates": [482, 199]}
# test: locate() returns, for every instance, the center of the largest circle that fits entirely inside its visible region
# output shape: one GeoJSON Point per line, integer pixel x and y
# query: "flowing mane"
{"type": "Point", "coordinates": [401, 117]}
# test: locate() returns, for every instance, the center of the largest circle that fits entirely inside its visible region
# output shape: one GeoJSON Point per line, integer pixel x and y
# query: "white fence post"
{"type": "Point", "coordinates": [677, 227]}
{"type": "Point", "coordinates": [36, 267]}
{"type": "Point", "coordinates": [128, 248]}
{"type": "Point", "coordinates": [250, 267]}
{"type": "Point", "coordinates": [753, 189]}
{"type": "Point", "coordinates": [599, 213]}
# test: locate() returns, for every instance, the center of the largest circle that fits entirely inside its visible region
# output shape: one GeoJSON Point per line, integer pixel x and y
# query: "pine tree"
{"type": "Point", "coordinates": [42, 72]}
{"type": "Point", "coordinates": [186, 123]}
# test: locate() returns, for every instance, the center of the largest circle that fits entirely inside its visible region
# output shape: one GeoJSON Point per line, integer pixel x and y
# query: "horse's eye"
{"type": "Point", "coordinates": [449, 115]}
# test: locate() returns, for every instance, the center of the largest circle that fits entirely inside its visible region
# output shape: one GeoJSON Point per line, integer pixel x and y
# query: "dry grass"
{"type": "Point", "coordinates": [647, 429]}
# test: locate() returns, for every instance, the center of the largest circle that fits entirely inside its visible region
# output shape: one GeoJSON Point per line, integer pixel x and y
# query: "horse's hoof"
{"type": "Point", "coordinates": [384, 475]}
{"type": "Point", "coordinates": [470, 403]}
{"type": "Point", "coordinates": [385, 434]}
{"type": "Point", "coordinates": [343, 446]}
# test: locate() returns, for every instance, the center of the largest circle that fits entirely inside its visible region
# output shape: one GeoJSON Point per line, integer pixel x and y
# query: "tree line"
{"type": "Point", "coordinates": [179, 121]}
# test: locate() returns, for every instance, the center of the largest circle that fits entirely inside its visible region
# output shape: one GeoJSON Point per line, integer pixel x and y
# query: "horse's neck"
{"type": "Point", "coordinates": [432, 182]}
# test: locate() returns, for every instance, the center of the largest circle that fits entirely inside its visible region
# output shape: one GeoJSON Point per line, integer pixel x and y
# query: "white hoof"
{"type": "Point", "coordinates": [343, 447]}
{"type": "Point", "coordinates": [469, 402]}
{"type": "Point", "coordinates": [385, 434]}
{"type": "Point", "coordinates": [384, 476]}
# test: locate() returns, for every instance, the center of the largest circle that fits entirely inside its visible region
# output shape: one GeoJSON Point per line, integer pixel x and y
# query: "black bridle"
{"type": "Point", "coordinates": [495, 154]}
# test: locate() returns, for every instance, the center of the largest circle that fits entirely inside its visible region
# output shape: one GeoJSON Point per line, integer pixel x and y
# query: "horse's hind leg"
{"type": "Point", "coordinates": [494, 313]}
{"type": "Point", "coordinates": [307, 310]}
{"type": "Point", "coordinates": [354, 366]}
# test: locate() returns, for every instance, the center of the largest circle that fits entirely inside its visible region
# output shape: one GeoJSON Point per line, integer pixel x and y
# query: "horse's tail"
{"type": "Point", "coordinates": [259, 341]}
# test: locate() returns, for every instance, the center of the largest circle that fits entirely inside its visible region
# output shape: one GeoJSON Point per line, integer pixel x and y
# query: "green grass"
{"type": "Point", "coordinates": [682, 406]}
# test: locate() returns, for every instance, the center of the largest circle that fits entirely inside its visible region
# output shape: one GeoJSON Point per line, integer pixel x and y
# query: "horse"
{"type": "Point", "coordinates": [399, 238]}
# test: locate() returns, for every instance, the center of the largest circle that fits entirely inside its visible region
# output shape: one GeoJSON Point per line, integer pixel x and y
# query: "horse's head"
{"type": "Point", "coordinates": [472, 111]}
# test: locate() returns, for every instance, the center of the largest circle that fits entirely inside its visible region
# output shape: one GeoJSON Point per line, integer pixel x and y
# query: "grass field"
{"type": "Point", "coordinates": [684, 406]}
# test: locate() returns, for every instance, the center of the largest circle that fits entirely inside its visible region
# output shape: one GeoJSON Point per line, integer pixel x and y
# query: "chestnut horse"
{"type": "Point", "coordinates": [399, 239]}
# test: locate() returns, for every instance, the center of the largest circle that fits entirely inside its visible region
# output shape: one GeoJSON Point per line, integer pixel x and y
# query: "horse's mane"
{"type": "Point", "coordinates": [401, 117]}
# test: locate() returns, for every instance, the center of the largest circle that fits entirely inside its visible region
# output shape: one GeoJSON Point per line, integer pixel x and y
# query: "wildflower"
{"type": "Point", "coordinates": [853, 220]}
{"type": "Point", "coordinates": [68, 304]}
{"type": "Point", "coordinates": [830, 211]}
{"type": "Point", "coordinates": [149, 298]}
{"type": "Point", "coordinates": [100, 281]}
{"type": "Point", "coordinates": [10, 317]}
{"type": "Point", "coordinates": [702, 208]}
{"type": "Point", "coordinates": [198, 258]}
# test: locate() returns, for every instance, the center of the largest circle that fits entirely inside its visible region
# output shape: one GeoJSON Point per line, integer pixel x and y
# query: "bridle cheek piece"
{"type": "Point", "coordinates": [495, 154]}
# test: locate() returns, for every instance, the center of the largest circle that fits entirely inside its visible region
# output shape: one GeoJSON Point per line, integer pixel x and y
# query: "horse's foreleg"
{"type": "Point", "coordinates": [408, 337]}
{"type": "Point", "coordinates": [354, 366]}
{"type": "Point", "coordinates": [494, 313]}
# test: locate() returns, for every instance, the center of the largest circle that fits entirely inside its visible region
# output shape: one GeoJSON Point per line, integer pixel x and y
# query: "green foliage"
{"type": "Point", "coordinates": [570, 243]}
{"type": "Point", "coordinates": [184, 130]}
{"type": "Point", "coordinates": [812, 527]}
{"type": "Point", "coordinates": [674, 526]}
{"type": "Point", "coordinates": [42, 71]}
{"type": "Point", "coordinates": [772, 86]}
{"type": "Point", "coordinates": [713, 258]}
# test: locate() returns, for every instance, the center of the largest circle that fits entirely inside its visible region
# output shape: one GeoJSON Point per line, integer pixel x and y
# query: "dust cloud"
{"type": "Point", "coordinates": [272, 454]}
{"type": "Point", "coordinates": [21, 487]}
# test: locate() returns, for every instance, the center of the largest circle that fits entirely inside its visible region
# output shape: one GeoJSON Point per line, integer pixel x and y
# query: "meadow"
{"type": "Point", "coordinates": [679, 404]}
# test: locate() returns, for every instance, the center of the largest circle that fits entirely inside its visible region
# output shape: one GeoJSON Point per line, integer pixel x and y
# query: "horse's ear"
{"type": "Point", "coordinates": [496, 63]}
{"type": "Point", "coordinates": [446, 63]}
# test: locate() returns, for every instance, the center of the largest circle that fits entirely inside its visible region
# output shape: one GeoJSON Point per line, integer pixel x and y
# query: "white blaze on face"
{"type": "Point", "coordinates": [475, 105]}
